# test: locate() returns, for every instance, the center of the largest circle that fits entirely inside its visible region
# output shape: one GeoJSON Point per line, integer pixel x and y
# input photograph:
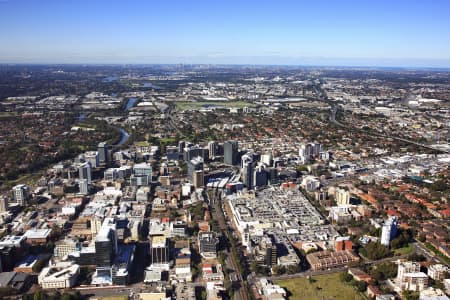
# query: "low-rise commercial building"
{"type": "Point", "coordinates": [60, 276]}
{"type": "Point", "coordinates": [323, 260]}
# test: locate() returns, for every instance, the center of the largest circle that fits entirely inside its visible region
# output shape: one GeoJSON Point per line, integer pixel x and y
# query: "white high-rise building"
{"type": "Point", "coordinates": [142, 169]}
{"type": "Point", "coordinates": [245, 159]}
{"type": "Point", "coordinates": [92, 157]}
{"type": "Point", "coordinates": [21, 193]}
{"type": "Point", "coordinates": [389, 230]}
{"type": "Point", "coordinates": [342, 197]}
{"type": "Point", "coordinates": [85, 172]}
{"type": "Point", "coordinates": [83, 185]}
{"type": "Point", "coordinates": [309, 151]}
{"type": "Point", "coordinates": [267, 159]}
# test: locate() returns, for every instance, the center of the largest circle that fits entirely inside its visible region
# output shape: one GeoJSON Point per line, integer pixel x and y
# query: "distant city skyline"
{"type": "Point", "coordinates": [324, 33]}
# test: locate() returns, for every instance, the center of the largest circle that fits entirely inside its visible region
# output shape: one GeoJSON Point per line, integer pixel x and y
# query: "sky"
{"type": "Point", "coordinates": [345, 33]}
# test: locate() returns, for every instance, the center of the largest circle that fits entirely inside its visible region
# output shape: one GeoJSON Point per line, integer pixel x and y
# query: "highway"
{"type": "Point", "coordinates": [332, 119]}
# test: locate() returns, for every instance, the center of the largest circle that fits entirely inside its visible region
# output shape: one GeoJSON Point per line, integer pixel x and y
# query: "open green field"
{"type": "Point", "coordinates": [167, 140]}
{"type": "Point", "coordinates": [185, 105]}
{"type": "Point", "coordinates": [405, 250]}
{"type": "Point", "coordinates": [327, 286]}
{"type": "Point", "coordinates": [7, 114]}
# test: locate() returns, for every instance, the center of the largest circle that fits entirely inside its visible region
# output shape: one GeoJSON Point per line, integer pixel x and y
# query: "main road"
{"type": "Point", "coordinates": [216, 210]}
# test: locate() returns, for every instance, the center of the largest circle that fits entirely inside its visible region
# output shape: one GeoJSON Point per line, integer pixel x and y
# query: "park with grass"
{"type": "Point", "coordinates": [329, 286]}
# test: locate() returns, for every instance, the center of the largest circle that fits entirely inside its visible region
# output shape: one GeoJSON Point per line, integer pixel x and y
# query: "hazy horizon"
{"type": "Point", "coordinates": [407, 34]}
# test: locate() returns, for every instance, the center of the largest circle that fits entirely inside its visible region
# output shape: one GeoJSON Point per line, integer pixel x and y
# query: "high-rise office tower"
{"type": "Point", "coordinates": [212, 147]}
{"type": "Point", "coordinates": [260, 176]}
{"type": "Point", "coordinates": [245, 159]}
{"type": "Point", "coordinates": [195, 164]}
{"type": "Point", "coordinates": [267, 159]}
{"type": "Point", "coordinates": [342, 197]}
{"type": "Point", "coordinates": [194, 151]}
{"type": "Point", "coordinates": [83, 186]}
{"type": "Point", "coordinates": [159, 250]}
{"type": "Point", "coordinates": [85, 172]}
{"type": "Point", "coordinates": [142, 169]}
{"type": "Point", "coordinates": [198, 178]}
{"type": "Point", "coordinates": [102, 150]}
{"type": "Point", "coordinates": [230, 149]}
{"type": "Point", "coordinates": [102, 153]}
{"type": "Point", "coordinates": [106, 244]}
{"type": "Point", "coordinates": [247, 172]}
{"type": "Point", "coordinates": [92, 157]}
{"type": "Point", "coordinates": [21, 193]}
{"type": "Point", "coordinates": [207, 244]}
{"type": "Point", "coordinates": [3, 204]}
{"type": "Point", "coordinates": [181, 145]}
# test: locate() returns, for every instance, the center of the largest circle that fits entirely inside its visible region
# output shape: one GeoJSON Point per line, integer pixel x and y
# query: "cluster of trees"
{"type": "Point", "coordinates": [37, 267]}
{"type": "Point", "coordinates": [259, 269]}
{"type": "Point", "coordinates": [196, 270]}
{"type": "Point", "coordinates": [41, 295]}
{"type": "Point", "coordinates": [197, 211]}
{"type": "Point", "coordinates": [291, 269]}
{"type": "Point", "coordinates": [361, 286]}
{"type": "Point", "coordinates": [29, 158]}
{"type": "Point", "coordinates": [409, 295]}
{"type": "Point", "coordinates": [440, 185]}
{"type": "Point", "coordinates": [375, 251]}
{"type": "Point", "coordinates": [7, 291]}
{"type": "Point", "coordinates": [384, 271]}
{"type": "Point", "coordinates": [404, 237]}
{"type": "Point", "coordinates": [417, 257]}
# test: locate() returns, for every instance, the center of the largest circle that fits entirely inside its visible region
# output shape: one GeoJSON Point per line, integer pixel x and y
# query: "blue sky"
{"type": "Point", "coordinates": [380, 33]}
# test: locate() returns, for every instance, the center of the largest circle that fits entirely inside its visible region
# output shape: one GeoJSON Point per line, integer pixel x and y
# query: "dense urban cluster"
{"type": "Point", "coordinates": [218, 182]}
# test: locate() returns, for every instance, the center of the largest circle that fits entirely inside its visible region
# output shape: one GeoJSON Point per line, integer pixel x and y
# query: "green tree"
{"type": "Point", "coordinates": [408, 295]}
{"type": "Point", "coordinates": [345, 277]}
{"type": "Point", "coordinates": [384, 271]}
{"type": "Point", "coordinates": [376, 251]}
{"type": "Point", "coordinates": [39, 295]}
{"type": "Point", "coordinates": [278, 270]}
{"type": "Point", "coordinates": [292, 269]}
{"type": "Point", "coordinates": [361, 286]}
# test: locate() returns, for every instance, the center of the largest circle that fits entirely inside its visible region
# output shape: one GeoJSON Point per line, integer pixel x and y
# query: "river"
{"type": "Point", "coordinates": [124, 136]}
{"type": "Point", "coordinates": [130, 103]}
